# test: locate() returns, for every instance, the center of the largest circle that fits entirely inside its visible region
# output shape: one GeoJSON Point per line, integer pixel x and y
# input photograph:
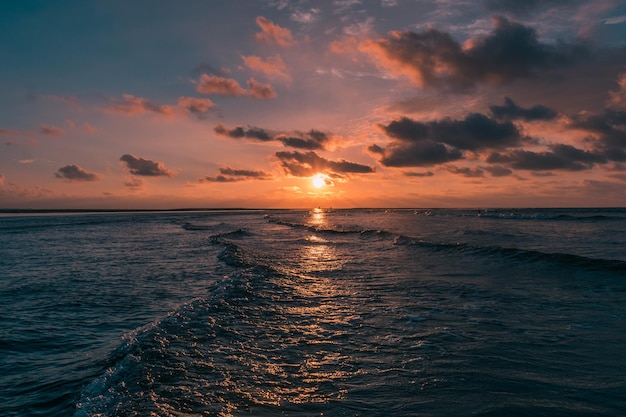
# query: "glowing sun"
{"type": "Point", "coordinates": [318, 181]}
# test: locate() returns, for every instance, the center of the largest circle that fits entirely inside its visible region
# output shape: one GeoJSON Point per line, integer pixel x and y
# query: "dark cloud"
{"type": "Point", "coordinates": [436, 142]}
{"type": "Point", "coordinates": [145, 167]}
{"type": "Point", "coordinates": [75, 173]}
{"type": "Point", "coordinates": [466, 171]}
{"type": "Point", "coordinates": [475, 132]}
{"type": "Point", "coordinates": [419, 174]}
{"type": "Point", "coordinates": [234, 175]}
{"type": "Point", "coordinates": [609, 129]}
{"type": "Point", "coordinates": [424, 154]}
{"type": "Point", "coordinates": [433, 58]}
{"type": "Point", "coordinates": [498, 171]}
{"type": "Point", "coordinates": [560, 157]}
{"type": "Point", "coordinates": [306, 164]}
{"type": "Point", "coordinates": [511, 111]}
{"type": "Point", "coordinates": [312, 140]}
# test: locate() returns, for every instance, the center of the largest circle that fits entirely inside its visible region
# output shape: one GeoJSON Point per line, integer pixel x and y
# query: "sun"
{"type": "Point", "coordinates": [318, 181]}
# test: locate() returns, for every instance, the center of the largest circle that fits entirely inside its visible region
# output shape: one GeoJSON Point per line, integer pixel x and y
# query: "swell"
{"type": "Point", "coordinates": [504, 253]}
{"type": "Point", "coordinates": [549, 217]}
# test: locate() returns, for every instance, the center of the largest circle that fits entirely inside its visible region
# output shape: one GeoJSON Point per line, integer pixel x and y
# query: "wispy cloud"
{"type": "Point", "coordinates": [131, 106]}
{"type": "Point", "coordinates": [51, 130]}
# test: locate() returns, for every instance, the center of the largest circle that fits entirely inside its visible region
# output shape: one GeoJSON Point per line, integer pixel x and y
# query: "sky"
{"type": "Point", "coordinates": [153, 104]}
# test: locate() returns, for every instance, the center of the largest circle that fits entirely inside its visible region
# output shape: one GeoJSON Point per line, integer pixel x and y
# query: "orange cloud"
{"type": "Point", "coordinates": [131, 106]}
{"type": "Point", "coordinates": [273, 67]}
{"type": "Point", "coordinates": [211, 84]}
{"type": "Point", "coordinates": [272, 33]}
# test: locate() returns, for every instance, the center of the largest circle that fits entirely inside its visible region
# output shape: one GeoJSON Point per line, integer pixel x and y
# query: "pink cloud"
{"type": "Point", "coordinates": [51, 130]}
{"type": "Point", "coordinates": [273, 34]}
{"type": "Point", "coordinates": [273, 67]}
{"type": "Point", "coordinates": [89, 128]}
{"type": "Point", "coordinates": [258, 90]}
{"type": "Point", "coordinates": [197, 106]}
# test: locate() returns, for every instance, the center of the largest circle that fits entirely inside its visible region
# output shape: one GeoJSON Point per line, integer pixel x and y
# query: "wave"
{"type": "Point", "coordinates": [520, 255]}
{"type": "Point", "coordinates": [548, 216]}
{"type": "Point", "coordinates": [505, 253]}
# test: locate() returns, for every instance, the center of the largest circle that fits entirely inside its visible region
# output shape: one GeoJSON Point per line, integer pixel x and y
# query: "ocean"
{"type": "Point", "coordinates": [314, 313]}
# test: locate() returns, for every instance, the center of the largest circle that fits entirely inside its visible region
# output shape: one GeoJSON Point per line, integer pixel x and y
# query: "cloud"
{"type": "Point", "coordinates": [419, 174]}
{"type": "Point", "coordinates": [145, 167]}
{"type": "Point", "coordinates": [273, 34]}
{"type": "Point", "coordinates": [498, 171]}
{"type": "Point", "coordinates": [7, 132]}
{"type": "Point", "coordinates": [89, 128]}
{"type": "Point", "coordinates": [134, 183]}
{"type": "Point", "coordinates": [311, 140]}
{"type": "Point", "coordinates": [609, 130]}
{"type": "Point", "coordinates": [235, 175]}
{"type": "Point", "coordinates": [617, 99]}
{"type": "Point", "coordinates": [466, 171]}
{"type": "Point", "coordinates": [305, 17]}
{"type": "Point", "coordinates": [427, 153]}
{"type": "Point", "coordinates": [306, 164]}
{"type": "Point", "coordinates": [524, 7]}
{"type": "Point", "coordinates": [511, 111]}
{"type": "Point", "coordinates": [51, 130]}
{"type": "Point", "coordinates": [1, 180]}
{"type": "Point", "coordinates": [131, 105]}
{"type": "Point", "coordinates": [196, 106]}
{"type": "Point", "coordinates": [430, 143]}
{"type": "Point", "coordinates": [433, 58]}
{"type": "Point", "coordinates": [560, 157]}
{"type": "Point", "coordinates": [254, 133]}
{"type": "Point", "coordinates": [259, 90]}
{"type": "Point", "coordinates": [211, 84]}
{"type": "Point", "coordinates": [615, 20]}
{"type": "Point", "coordinates": [273, 67]}
{"type": "Point", "coordinates": [76, 173]}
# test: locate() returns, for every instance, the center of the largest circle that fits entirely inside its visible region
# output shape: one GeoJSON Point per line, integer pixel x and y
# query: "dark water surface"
{"type": "Point", "coordinates": [322, 312]}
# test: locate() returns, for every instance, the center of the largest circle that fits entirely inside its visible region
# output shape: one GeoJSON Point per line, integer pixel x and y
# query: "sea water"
{"type": "Point", "coordinates": [314, 312]}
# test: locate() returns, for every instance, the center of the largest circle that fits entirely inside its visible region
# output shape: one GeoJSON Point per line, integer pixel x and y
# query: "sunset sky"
{"type": "Point", "coordinates": [294, 104]}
